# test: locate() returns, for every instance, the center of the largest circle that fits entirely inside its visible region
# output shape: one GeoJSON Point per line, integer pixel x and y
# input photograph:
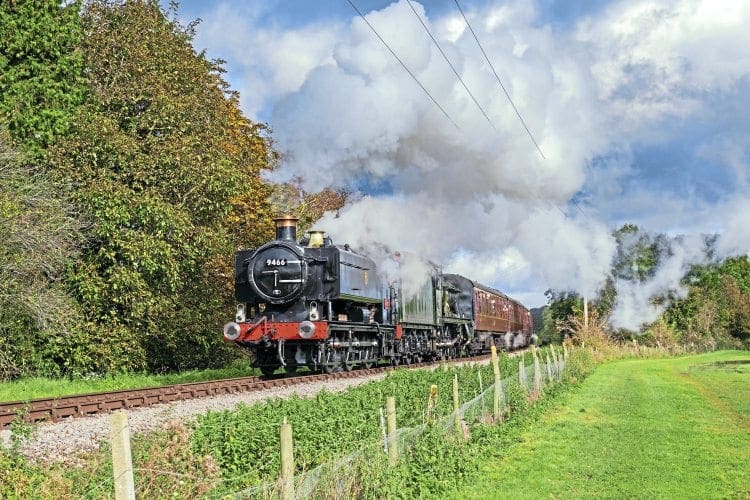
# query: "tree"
{"type": "Point", "coordinates": [638, 253]}
{"type": "Point", "coordinates": [41, 68]}
{"type": "Point", "coordinates": [39, 235]}
{"type": "Point", "coordinates": [717, 308]}
{"type": "Point", "coordinates": [290, 198]}
{"type": "Point", "coordinates": [164, 166]}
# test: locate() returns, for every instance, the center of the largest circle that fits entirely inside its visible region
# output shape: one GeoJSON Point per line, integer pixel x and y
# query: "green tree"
{"type": "Point", "coordinates": [717, 308]}
{"type": "Point", "coordinates": [41, 68]}
{"type": "Point", "coordinates": [164, 165]}
{"type": "Point", "coordinates": [638, 253]}
{"type": "Point", "coordinates": [39, 235]}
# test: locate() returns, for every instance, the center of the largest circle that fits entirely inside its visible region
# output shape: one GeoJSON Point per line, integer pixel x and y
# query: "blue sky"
{"type": "Point", "coordinates": [641, 108]}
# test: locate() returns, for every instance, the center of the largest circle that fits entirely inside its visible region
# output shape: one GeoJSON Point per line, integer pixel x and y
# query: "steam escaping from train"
{"type": "Point", "coordinates": [478, 197]}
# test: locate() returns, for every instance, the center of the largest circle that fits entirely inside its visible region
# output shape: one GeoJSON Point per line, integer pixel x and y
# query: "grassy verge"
{"type": "Point", "coordinates": [668, 427]}
{"type": "Point", "coordinates": [39, 387]}
{"type": "Point", "coordinates": [227, 451]}
{"type": "Point", "coordinates": [654, 428]}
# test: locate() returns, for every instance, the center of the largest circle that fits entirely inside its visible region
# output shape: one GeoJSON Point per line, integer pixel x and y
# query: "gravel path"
{"type": "Point", "coordinates": [62, 441]}
{"type": "Point", "coordinates": [65, 440]}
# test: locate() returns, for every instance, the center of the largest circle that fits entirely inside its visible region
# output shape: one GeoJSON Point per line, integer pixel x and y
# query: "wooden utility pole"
{"type": "Point", "coordinates": [585, 312]}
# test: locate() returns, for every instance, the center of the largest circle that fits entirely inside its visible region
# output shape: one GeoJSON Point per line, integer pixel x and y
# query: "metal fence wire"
{"type": "Point", "coordinates": [334, 479]}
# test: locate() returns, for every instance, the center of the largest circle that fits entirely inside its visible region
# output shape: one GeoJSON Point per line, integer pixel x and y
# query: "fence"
{"type": "Point", "coordinates": [488, 405]}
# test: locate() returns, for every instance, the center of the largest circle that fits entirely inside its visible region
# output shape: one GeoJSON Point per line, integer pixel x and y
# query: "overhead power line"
{"type": "Point", "coordinates": [498, 80]}
{"type": "Point", "coordinates": [403, 65]}
{"type": "Point", "coordinates": [451, 65]}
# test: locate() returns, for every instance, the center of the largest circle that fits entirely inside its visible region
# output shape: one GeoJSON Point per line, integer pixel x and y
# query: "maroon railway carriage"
{"type": "Point", "coordinates": [498, 319]}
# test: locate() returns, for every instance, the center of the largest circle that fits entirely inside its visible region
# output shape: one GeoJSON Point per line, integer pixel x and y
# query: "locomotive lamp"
{"type": "Point", "coordinates": [314, 314]}
{"type": "Point", "coordinates": [240, 316]}
{"type": "Point", "coordinates": [286, 227]}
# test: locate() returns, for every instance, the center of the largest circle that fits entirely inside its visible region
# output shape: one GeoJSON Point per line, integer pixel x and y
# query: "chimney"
{"type": "Point", "coordinates": [286, 228]}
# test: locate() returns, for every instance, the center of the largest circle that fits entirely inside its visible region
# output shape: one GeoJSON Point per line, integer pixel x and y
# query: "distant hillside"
{"type": "Point", "coordinates": [537, 314]}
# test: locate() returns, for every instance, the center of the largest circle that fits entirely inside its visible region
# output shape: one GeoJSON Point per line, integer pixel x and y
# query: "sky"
{"type": "Point", "coordinates": [640, 108]}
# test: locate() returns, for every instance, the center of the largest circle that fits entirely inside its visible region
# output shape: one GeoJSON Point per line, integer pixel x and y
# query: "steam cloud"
{"type": "Point", "coordinates": [482, 201]}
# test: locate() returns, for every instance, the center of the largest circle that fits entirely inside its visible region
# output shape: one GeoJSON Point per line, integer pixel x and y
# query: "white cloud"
{"type": "Point", "coordinates": [633, 74]}
{"type": "Point", "coordinates": [270, 61]}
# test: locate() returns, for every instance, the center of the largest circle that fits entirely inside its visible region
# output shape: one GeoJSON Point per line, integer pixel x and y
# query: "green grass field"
{"type": "Point", "coordinates": [643, 428]}
{"type": "Point", "coordinates": [40, 387]}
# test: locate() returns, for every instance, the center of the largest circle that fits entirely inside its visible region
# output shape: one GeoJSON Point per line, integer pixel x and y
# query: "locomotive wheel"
{"type": "Point", "coordinates": [267, 371]}
{"type": "Point", "coordinates": [290, 369]}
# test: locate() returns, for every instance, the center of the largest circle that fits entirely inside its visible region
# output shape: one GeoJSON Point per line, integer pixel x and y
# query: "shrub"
{"type": "Point", "coordinates": [580, 364]}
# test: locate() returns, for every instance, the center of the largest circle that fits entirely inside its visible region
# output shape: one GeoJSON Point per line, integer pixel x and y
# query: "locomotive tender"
{"type": "Point", "coordinates": [312, 303]}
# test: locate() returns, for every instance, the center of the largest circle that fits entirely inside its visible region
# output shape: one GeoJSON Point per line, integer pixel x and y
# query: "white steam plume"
{"type": "Point", "coordinates": [641, 303]}
{"type": "Point", "coordinates": [482, 201]}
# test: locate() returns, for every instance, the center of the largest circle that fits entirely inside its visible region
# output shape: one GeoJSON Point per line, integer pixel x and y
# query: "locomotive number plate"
{"type": "Point", "coordinates": [275, 262]}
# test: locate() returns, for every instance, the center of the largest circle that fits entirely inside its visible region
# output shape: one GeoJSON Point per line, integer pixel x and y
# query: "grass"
{"type": "Point", "coordinates": [647, 428]}
{"type": "Point", "coordinates": [40, 387]}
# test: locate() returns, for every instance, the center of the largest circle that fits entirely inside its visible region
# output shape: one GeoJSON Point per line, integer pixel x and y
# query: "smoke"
{"type": "Point", "coordinates": [479, 198]}
{"type": "Point", "coordinates": [640, 303]}
{"type": "Point", "coordinates": [510, 240]}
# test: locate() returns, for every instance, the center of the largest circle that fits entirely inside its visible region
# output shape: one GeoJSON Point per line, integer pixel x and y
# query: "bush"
{"type": "Point", "coordinates": [580, 364]}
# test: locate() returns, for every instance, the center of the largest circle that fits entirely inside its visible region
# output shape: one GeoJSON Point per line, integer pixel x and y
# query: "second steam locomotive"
{"type": "Point", "coordinates": [312, 303]}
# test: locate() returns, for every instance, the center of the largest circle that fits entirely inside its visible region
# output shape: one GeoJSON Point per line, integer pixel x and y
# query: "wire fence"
{"type": "Point", "coordinates": [335, 478]}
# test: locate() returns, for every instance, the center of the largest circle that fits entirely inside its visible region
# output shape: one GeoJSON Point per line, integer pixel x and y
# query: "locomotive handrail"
{"type": "Point", "coordinates": [281, 351]}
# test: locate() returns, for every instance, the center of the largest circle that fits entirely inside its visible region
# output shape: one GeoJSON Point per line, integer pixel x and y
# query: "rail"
{"type": "Point", "coordinates": [82, 405]}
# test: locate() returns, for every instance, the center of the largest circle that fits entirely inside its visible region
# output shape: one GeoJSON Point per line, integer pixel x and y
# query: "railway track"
{"type": "Point", "coordinates": [58, 408]}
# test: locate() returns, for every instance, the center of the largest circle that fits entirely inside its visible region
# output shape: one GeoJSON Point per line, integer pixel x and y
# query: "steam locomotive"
{"type": "Point", "coordinates": [315, 304]}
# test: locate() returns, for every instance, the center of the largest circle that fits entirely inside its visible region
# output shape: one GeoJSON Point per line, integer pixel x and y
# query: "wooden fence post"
{"type": "Point", "coordinates": [537, 372]}
{"type": "Point", "coordinates": [383, 431]}
{"type": "Point", "coordinates": [496, 373]}
{"type": "Point", "coordinates": [287, 461]}
{"type": "Point", "coordinates": [431, 404]}
{"type": "Point", "coordinates": [122, 460]}
{"type": "Point", "coordinates": [390, 412]}
{"type": "Point", "coordinates": [455, 404]}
